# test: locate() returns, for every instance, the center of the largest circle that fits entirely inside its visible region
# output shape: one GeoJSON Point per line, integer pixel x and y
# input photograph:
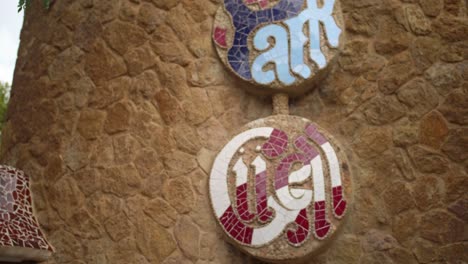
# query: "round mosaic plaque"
{"type": "Point", "coordinates": [280, 188]}
{"type": "Point", "coordinates": [278, 45]}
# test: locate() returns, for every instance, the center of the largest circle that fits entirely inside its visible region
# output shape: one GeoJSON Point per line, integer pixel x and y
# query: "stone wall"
{"type": "Point", "coordinates": [118, 108]}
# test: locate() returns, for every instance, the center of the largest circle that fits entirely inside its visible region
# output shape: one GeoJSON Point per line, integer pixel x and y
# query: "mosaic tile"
{"type": "Point", "coordinates": [301, 233]}
{"type": "Point", "coordinates": [245, 20]}
{"type": "Point", "coordinates": [264, 214]}
{"type": "Point", "coordinates": [259, 21]}
{"type": "Point", "coordinates": [276, 144]}
{"type": "Point", "coordinates": [18, 226]}
{"type": "Point", "coordinates": [322, 226]}
{"type": "Point", "coordinates": [339, 204]}
{"type": "Point", "coordinates": [278, 54]}
{"type": "Point", "coordinates": [278, 216]}
{"type": "Point", "coordinates": [219, 36]}
{"type": "Point", "coordinates": [309, 151]}
{"type": "Point", "coordinates": [242, 203]}
{"type": "Point", "coordinates": [235, 227]}
{"type": "Point", "coordinates": [262, 3]}
{"type": "Point", "coordinates": [312, 132]}
{"type": "Point", "coordinates": [283, 169]}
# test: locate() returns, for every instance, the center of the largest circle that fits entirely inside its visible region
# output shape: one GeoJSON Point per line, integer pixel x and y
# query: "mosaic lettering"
{"type": "Point", "coordinates": [281, 52]}
{"type": "Point", "coordinates": [272, 213]}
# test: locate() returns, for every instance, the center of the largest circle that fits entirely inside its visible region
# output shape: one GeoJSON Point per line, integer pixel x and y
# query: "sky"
{"type": "Point", "coordinates": [10, 25]}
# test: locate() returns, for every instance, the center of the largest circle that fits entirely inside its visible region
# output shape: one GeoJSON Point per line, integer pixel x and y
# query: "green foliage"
{"type": "Point", "coordinates": [4, 97]}
{"type": "Point", "coordinates": [23, 4]}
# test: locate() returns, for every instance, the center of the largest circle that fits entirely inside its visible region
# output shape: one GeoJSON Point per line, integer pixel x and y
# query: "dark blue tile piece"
{"type": "Point", "coordinates": [278, 15]}
{"type": "Point", "coordinates": [231, 7]}
{"type": "Point", "coordinates": [245, 31]}
{"type": "Point", "coordinates": [244, 49]}
{"type": "Point", "coordinates": [283, 5]}
{"type": "Point", "coordinates": [296, 5]}
{"type": "Point", "coordinates": [244, 71]}
{"type": "Point", "coordinates": [235, 65]}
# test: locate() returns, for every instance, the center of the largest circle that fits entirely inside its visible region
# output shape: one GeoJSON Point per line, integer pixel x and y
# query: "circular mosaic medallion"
{"type": "Point", "coordinates": [280, 45]}
{"type": "Point", "coordinates": [280, 188]}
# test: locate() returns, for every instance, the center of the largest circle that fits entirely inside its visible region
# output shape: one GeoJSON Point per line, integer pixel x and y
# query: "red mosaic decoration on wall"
{"type": "Point", "coordinates": [280, 187]}
{"type": "Point", "coordinates": [18, 226]}
{"type": "Point", "coordinates": [219, 36]}
{"type": "Point", "coordinates": [262, 3]}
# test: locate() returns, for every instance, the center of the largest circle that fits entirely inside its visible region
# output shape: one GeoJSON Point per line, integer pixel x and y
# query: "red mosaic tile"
{"type": "Point", "coordinates": [276, 144]}
{"type": "Point", "coordinates": [301, 233]}
{"type": "Point", "coordinates": [283, 169]}
{"type": "Point", "coordinates": [219, 36]}
{"type": "Point", "coordinates": [264, 215]}
{"type": "Point", "coordinates": [339, 204]}
{"type": "Point", "coordinates": [242, 205]}
{"type": "Point", "coordinates": [322, 226]}
{"type": "Point", "coordinates": [235, 228]}
{"type": "Point", "coordinates": [313, 133]}
{"type": "Point", "coordinates": [18, 226]}
{"type": "Point", "coordinates": [310, 152]}
{"type": "Point", "coordinates": [262, 3]}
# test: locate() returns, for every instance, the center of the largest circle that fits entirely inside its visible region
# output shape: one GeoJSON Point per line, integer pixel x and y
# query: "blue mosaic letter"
{"type": "Point", "coordinates": [298, 40]}
{"type": "Point", "coordinates": [324, 14]}
{"type": "Point", "coordinates": [246, 20]}
{"type": "Point", "coordinates": [278, 54]}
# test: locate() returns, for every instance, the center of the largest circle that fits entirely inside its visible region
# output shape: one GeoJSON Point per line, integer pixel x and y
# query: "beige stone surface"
{"type": "Point", "coordinates": [119, 107]}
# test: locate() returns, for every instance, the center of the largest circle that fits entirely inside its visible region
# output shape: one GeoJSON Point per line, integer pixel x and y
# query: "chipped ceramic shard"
{"type": "Point", "coordinates": [278, 44]}
{"type": "Point", "coordinates": [288, 189]}
{"type": "Point", "coordinates": [21, 238]}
